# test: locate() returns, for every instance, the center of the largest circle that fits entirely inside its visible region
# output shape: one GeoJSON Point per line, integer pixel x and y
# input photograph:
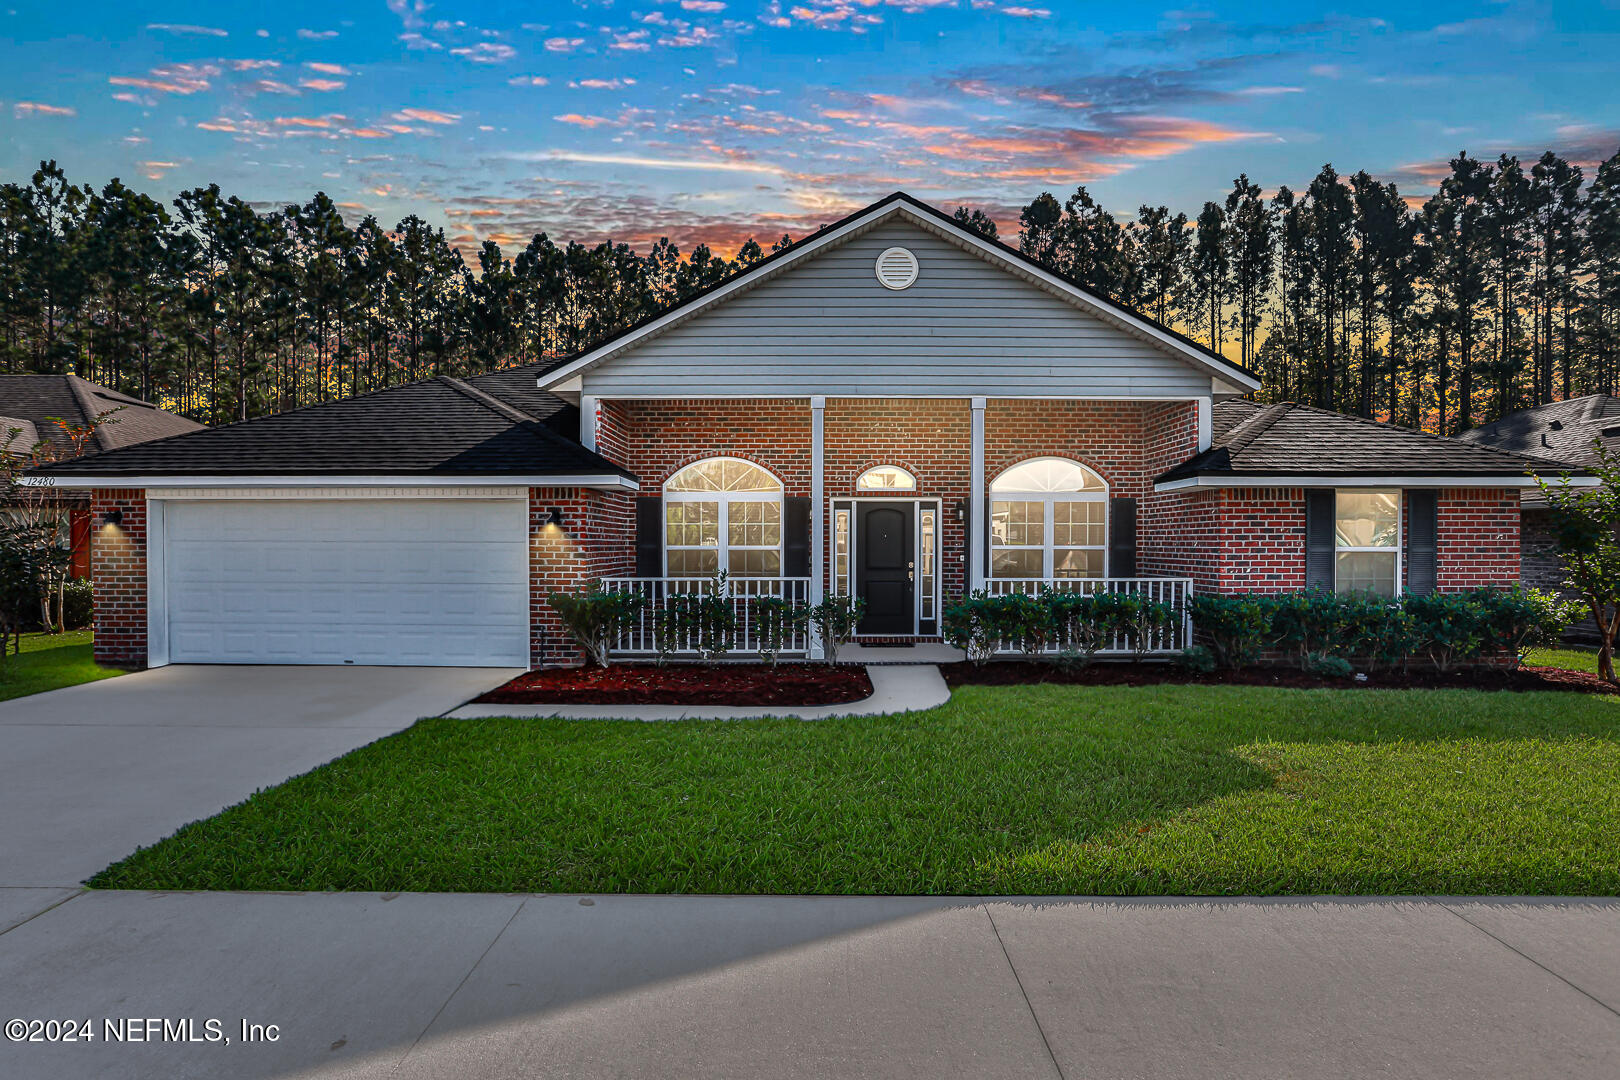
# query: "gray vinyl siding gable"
{"type": "Point", "coordinates": [826, 326]}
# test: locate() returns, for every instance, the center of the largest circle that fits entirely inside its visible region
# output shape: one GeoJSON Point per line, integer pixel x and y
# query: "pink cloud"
{"type": "Point", "coordinates": [254, 65]}
{"type": "Point", "coordinates": [584, 121]}
{"type": "Point", "coordinates": [327, 69]}
{"type": "Point", "coordinates": [706, 6]}
{"type": "Point", "coordinates": [601, 84]}
{"type": "Point", "coordinates": [317, 35]}
{"type": "Point", "coordinates": [562, 44]}
{"type": "Point", "coordinates": [35, 108]}
{"type": "Point", "coordinates": [427, 116]}
{"type": "Point", "coordinates": [485, 52]}
{"type": "Point", "coordinates": [322, 85]}
{"type": "Point", "coordinates": [1027, 12]}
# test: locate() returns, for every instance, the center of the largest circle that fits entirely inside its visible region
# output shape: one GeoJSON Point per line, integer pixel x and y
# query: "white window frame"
{"type": "Point", "coordinates": [1048, 499]}
{"type": "Point", "coordinates": [909, 489]}
{"type": "Point", "coordinates": [1400, 535]}
{"type": "Point", "coordinates": [723, 546]}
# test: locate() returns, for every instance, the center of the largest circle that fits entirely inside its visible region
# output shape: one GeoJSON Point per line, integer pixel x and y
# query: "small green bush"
{"type": "Point", "coordinates": [1329, 667]}
{"type": "Point", "coordinates": [835, 619]}
{"type": "Point", "coordinates": [78, 604]}
{"type": "Point", "coordinates": [776, 620]}
{"type": "Point", "coordinates": [1238, 626]}
{"type": "Point", "coordinates": [1197, 659]}
{"type": "Point", "coordinates": [595, 619]}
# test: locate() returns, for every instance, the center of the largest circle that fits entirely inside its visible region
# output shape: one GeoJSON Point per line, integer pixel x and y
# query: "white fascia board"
{"type": "Point", "coordinates": [1363, 480]}
{"type": "Point", "coordinates": [964, 237]}
{"type": "Point", "coordinates": [159, 481]}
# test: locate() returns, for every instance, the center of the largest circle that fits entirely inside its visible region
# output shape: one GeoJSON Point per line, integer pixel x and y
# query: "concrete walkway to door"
{"type": "Point", "coordinates": [91, 772]}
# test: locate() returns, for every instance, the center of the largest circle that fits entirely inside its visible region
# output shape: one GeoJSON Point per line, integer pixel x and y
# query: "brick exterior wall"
{"type": "Point", "coordinates": [118, 568]}
{"type": "Point", "coordinates": [1479, 537]}
{"type": "Point", "coordinates": [655, 439]}
{"type": "Point", "coordinates": [932, 440]}
{"type": "Point", "coordinates": [595, 540]}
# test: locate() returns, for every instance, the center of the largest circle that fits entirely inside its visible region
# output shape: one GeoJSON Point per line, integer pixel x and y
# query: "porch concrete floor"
{"type": "Point", "coordinates": [926, 652]}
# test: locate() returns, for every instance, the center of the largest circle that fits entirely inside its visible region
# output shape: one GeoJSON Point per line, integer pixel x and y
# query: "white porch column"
{"type": "Point", "coordinates": [1206, 418]}
{"type": "Point", "coordinates": [818, 511]}
{"type": "Point", "coordinates": [976, 520]}
{"type": "Point", "coordinates": [587, 421]}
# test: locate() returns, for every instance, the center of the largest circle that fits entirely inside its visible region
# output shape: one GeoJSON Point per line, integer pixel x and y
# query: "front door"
{"type": "Point", "coordinates": [884, 574]}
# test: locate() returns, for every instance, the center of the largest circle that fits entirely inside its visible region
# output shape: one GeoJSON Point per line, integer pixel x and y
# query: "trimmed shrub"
{"type": "Point", "coordinates": [835, 620]}
{"type": "Point", "coordinates": [1197, 660]}
{"type": "Point", "coordinates": [595, 619]}
{"type": "Point", "coordinates": [1238, 627]}
{"type": "Point", "coordinates": [775, 622]}
{"type": "Point", "coordinates": [78, 604]}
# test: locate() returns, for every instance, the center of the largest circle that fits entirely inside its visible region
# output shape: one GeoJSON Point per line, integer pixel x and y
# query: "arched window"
{"type": "Point", "coordinates": [886, 478]}
{"type": "Point", "coordinates": [1048, 519]}
{"type": "Point", "coordinates": [723, 514]}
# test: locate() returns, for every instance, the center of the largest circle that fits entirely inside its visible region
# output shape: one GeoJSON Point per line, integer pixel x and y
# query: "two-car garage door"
{"type": "Point", "coordinates": [435, 581]}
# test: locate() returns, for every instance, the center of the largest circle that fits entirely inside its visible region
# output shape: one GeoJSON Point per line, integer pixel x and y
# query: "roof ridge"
{"type": "Point", "coordinates": [1382, 425]}
{"type": "Point", "coordinates": [1240, 437]}
{"type": "Point", "coordinates": [489, 401]}
{"type": "Point", "coordinates": [76, 387]}
{"type": "Point", "coordinates": [531, 422]}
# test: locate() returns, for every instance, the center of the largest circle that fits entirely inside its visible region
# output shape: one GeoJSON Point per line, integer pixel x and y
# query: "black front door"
{"type": "Point", "coordinates": [884, 571]}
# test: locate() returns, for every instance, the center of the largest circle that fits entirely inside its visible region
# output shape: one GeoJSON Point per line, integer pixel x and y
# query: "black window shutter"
{"type": "Point", "coordinates": [1122, 537]}
{"type": "Point", "coordinates": [1320, 510]}
{"type": "Point", "coordinates": [796, 536]}
{"type": "Point", "coordinates": [1422, 541]}
{"type": "Point", "coordinates": [649, 536]}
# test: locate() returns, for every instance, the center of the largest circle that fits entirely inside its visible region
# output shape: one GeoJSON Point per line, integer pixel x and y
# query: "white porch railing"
{"type": "Point", "coordinates": [1173, 591]}
{"type": "Point", "coordinates": [742, 594]}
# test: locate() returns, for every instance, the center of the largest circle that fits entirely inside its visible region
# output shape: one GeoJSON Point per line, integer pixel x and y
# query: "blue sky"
{"type": "Point", "coordinates": [717, 119]}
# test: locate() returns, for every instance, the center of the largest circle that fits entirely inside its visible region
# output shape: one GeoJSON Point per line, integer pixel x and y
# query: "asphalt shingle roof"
{"type": "Point", "coordinates": [1286, 439]}
{"type": "Point", "coordinates": [38, 398]}
{"type": "Point", "coordinates": [487, 426]}
{"type": "Point", "coordinates": [1561, 430]}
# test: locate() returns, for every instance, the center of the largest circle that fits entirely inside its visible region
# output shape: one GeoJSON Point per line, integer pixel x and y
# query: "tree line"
{"type": "Point", "coordinates": [1501, 290]}
{"type": "Point", "coordinates": [222, 311]}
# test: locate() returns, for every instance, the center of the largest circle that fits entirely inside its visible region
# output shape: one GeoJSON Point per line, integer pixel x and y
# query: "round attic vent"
{"type": "Point", "coordinates": [897, 268]}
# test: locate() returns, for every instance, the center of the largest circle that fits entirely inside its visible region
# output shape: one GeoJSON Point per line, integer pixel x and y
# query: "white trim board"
{"type": "Point", "coordinates": [969, 241]}
{"type": "Point", "coordinates": [424, 483]}
{"type": "Point", "coordinates": [1363, 480]}
{"type": "Point", "coordinates": [317, 493]}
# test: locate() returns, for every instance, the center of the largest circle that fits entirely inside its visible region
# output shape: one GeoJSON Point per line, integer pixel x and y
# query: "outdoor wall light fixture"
{"type": "Point", "coordinates": [113, 517]}
{"type": "Point", "coordinates": [554, 518]}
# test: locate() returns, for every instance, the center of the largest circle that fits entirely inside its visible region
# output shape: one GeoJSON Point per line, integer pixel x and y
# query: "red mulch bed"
{"type": "Point", "coordinates": [1025, 672]}
{"type": "Point", "coordinates": [687, 684]}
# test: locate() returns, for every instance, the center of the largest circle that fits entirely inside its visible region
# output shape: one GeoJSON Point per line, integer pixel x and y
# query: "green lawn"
{"type": "Point", "coordinates": [51, 661]}
{"type": "Point", "coordinates": [1041, 789]}
{"type": "Point", "coordinates": [1569, 659]}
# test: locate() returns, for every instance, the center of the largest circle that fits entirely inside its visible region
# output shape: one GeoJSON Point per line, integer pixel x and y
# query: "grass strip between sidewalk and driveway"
{"type": "Point", "coordinates": [50, 662]}
{"type": "Point", "coordinates": [1004, 790]}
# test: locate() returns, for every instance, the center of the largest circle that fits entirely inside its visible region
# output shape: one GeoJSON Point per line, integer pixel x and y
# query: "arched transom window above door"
{"type": "Point", "coordinates": [723, 514]}
{"type": "Point", "coordinates": [886, 478]}
{"type": "Point", "coordinates": [1048, 520]}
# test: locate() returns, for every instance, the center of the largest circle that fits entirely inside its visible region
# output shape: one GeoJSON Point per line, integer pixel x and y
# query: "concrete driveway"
{"type": "Point", "coordinates": [89, 773]}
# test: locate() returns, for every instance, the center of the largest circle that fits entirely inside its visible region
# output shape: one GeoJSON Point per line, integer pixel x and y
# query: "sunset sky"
{"type": "Point", "coordinates": [717, 119]}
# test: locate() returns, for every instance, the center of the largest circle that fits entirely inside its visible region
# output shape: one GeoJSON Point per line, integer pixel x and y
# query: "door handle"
{"type": "Point", "coordinates": [911, 575]}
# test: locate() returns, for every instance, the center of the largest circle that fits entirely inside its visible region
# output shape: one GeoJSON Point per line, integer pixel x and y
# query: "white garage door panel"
{"type": "Point", "coordinates": [387, 581]}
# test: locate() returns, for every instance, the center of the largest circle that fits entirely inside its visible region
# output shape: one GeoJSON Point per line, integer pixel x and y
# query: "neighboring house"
{"type": "Point", "coordinates": [1567, 433]}
{"type": "Point", "coordinates": [38, 406]}
{"type": "Point", "coordinates": [896, 408]}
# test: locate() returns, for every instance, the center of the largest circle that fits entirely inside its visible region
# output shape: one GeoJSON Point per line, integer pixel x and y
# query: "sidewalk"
{"type": "Point", "coordinates": [483, 986]}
